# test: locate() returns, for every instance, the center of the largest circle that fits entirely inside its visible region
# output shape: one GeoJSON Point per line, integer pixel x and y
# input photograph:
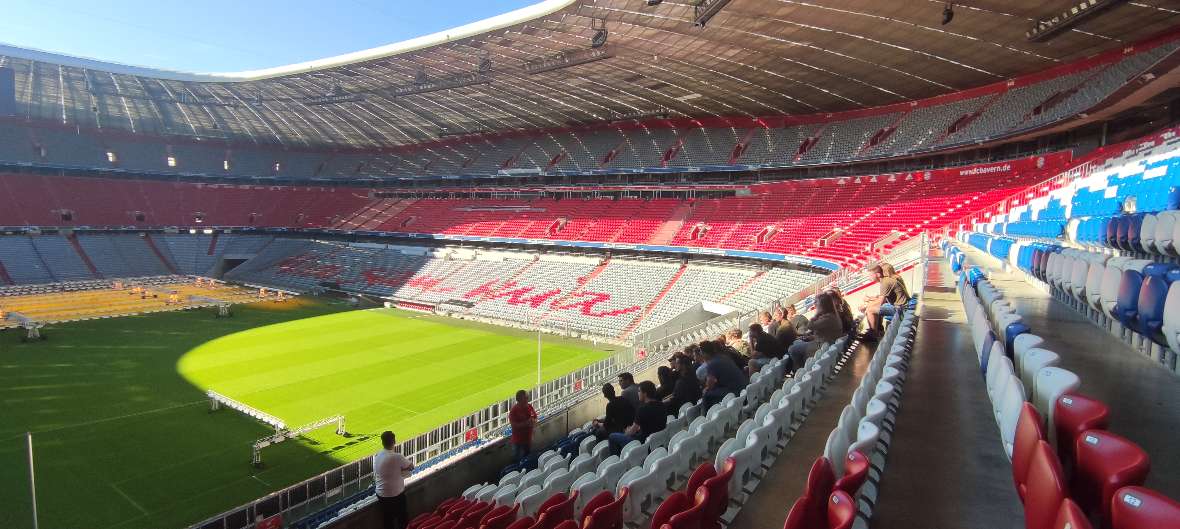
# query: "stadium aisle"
{"type": "Point", "coordinates": [946, 465]}
{"type": "Point", "coordinates": [1144, 399]}
{"type": "Point", "coordinates": [787, 477]}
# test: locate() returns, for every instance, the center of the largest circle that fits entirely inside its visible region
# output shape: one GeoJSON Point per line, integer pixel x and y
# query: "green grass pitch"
{"type": "Point", "coordinates": [124, 439]}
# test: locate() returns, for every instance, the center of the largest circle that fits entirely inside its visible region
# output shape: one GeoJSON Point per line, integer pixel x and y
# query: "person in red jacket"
{"type": "Point", "coordinates": [523, 419]}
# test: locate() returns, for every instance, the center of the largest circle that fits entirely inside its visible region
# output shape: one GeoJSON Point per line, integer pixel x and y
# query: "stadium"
{"type": "Point", "coordinates": [847, 263]}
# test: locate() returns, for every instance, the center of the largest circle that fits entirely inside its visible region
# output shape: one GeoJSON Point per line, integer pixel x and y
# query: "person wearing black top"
{"type": "Point", "coordinates": [764, 347]}
{"type": "Point", "coordinates": [650, 417]}
{"type": "Point", "coordinates": [687, 389]}
{"type": "Point", "coordinates": [619, 414]}
{"type": "Point", "coordinates": [667, 378]}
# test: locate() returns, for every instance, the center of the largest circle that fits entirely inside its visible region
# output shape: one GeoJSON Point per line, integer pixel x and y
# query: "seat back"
{"type": "Point", "coordinates": [1051, 383]}
{"type": "Point", "coordinates": [797, 517]}
{"type": "Point", "coordinates": [1170, 328]}
{"type": "Point", "coordinates": [1153, 294]}
{"type": "Point", "coordinates": [856, 471]}
{"type": "Point", "coordinates": [1072, 415]}
{"type": "Point", "coordinates": [678, 502]}
{"type": "Point", "coordinates": [1033, 362]}
{"type": "Point", "coordinates": [1127, 305]}
{"type": "Point", "coordinates": [599, 500]}
{"type": "Point", "coordinates": [841, 510]}
{"type": "Point", "coordinates": [1045, 488]}
{"type": "Point", "coordinates": [702, 473]}
{"type": "Point", "coordinates": [1028, 433]}
{"type": "Point", "coordinates": [1141, 508]}
{"type": "Point", "coordinates": [1104, 463]}
{"type": "Point", "coordinates": [1070, 516]}
{"type": "Point", "coordinates": [820, 481]}
{"type": "Point", "coordinates": [693, 517]}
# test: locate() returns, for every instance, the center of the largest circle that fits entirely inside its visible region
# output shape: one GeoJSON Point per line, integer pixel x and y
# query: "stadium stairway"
{"type": "Point", "coordinates": [787, 477]}
{"type": "Point", "coordinates": [652, 305]}
{"type": "Point", "coordinates": [82, 253]}
{"type": "Point", "coordinates": [4, 277]}
{"type": "Point", "coordinates": [1144, 399]}
{"type": "Point", "coordinates": [147, 238]}
{"type": "Point", "coordinates": [950, 436]}
{"type": "Point", "coordinates": [668, 230]}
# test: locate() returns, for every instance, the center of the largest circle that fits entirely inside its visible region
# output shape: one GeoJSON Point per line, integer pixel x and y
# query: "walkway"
{"type": "Point", "coordinates": [946, 467]}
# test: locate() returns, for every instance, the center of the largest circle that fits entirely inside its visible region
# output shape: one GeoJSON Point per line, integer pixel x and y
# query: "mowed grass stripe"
{"type": "Point", "coordinates": [111, 412]}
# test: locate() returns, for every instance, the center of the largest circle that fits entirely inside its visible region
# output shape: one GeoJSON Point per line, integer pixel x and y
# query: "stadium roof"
{"type": "Point", "coordinates": [535, 68]}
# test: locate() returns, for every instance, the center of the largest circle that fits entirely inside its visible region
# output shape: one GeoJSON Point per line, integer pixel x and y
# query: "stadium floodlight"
{"type": "Point", "coordinates": [948, 13]}
{"type": "Point", "coordinates": [654, 2]}
{"type": "Point", "coordinates": [600, 33]}
{"type": "Point", "coordinates": [705, 9]}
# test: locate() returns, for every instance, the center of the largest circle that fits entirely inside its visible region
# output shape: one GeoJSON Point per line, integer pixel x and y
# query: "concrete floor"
{"type": "Point", "coordinates": [946, 467]}
{"type": "Point", "coordinates": [1144, 398]}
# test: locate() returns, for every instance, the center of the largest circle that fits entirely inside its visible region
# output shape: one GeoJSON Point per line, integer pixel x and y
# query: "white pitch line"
{"type": "Point", "coordinates": [128, 498]}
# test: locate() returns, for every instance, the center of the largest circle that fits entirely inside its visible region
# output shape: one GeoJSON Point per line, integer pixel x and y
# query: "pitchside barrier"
{"type": "Point", "coordinates": [458, 437]}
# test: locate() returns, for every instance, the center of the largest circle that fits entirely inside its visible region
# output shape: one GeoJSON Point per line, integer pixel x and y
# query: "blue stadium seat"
{"type": "Point", "coordinates": [1152, 295]}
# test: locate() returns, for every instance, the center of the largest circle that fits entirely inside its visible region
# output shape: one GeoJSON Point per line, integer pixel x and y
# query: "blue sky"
{"type": "Point", "coordinates": [229, 35]}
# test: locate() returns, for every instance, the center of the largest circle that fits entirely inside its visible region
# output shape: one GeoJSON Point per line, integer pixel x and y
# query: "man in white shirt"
{"type": "Point", "coordinates": [389, 478]}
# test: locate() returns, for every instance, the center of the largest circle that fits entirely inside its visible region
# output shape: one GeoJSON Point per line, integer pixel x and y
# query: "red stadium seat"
{"type": "Point", "coordinates": [555, 510]}
{"type": "Point", "coordinates": [1046, 488]}
{"type": "Point", "coordinates": [675, 504]}
{"type": "Point", "coordinates": [1072, 415]}
{"type": "Point", "coordinates": [692, 517]}
{"type": "Point", "coordinates": [472, 515]}
{"type": "Point", "coordinates": [522, 523]}
{"type": "Point", "coordinates": [1070, 516]}
{"type": "Point", "coordinates": [699, 476]}
{"type": "Point", "coordinates": [1141, 508]}
{"type": "Point", "coordinates": [1028, 433]}
{"type": "Point", "coordinates": [841, 510]}
{"type": "Point", "coordinates": [499, 517]}
{"type": "Point", "coordinates": [797, 518]}
{"type": "Point", "coordinates": [820, 481]}
{"type": "Point", "coordinates": [447, 524]}
{"type": "Point", "coordinates": [609, 516]}
{"type": "Point", "coordinates": [856, 471]}
{"type": "Point", "coordinates": [1104, 463]}
{"type": "Point", "coordinates": [568, 524]}
{"type": "Point", "coordinates": [603, 498]}
{"type": "Point", "coordinates": [718, 487]}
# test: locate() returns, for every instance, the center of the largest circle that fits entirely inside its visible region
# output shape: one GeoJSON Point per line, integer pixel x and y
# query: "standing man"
{"type": "Point", "coordinates": [390, 469]}
{"type": "Point", "coordinates": [523, 419]}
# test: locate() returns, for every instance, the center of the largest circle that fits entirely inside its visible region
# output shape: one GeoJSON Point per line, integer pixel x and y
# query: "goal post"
{"type": "Point", "coordinates": [285, 434]}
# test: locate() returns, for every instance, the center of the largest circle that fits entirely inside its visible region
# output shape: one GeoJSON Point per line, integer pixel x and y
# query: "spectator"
{"type": "Point", "coordinates": [825, 328]}
{"type": "Point", "coordinates": [667, 378]}
{"type": "Point", "coordinates": [650, 417]}
{"type": "Point", "coordinates": [630, 390]}
{"type": "Point", "coordinates": [735, 341]}
{"type": "Point", "coordinates": [390, 469]}
{"type": "Point", "coordinates": [784, 332]}
{"type": "Point", "coordinates": [724, 377]}
{"type": "Point", "coordinates": [764, 347]}
{"type": "Point", "coordinates": [798, 321]}
{"type": "Point", "coordinates": [688, 387]}
{"type": "Point", "coordinates": [523, 419]}
{"type": "Point", "coordinates": [766, 322]}
{"type": "Point", "coordinates": [619, 414]}
{"type": "Point", "coordinates": [698, 358]}
{"type": "Point", "coordinates": [845, 311]}
{"type": "Point", "coordinates": [893, 295]}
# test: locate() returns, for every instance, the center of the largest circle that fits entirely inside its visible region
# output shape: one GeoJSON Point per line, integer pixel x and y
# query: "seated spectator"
{"type": "Point", "coordinates": [733, 354]}
{"type": "Point", "coordinates": [846, 317]}
{"type": "Point", "coordinates": [650, 417]}
{"type": "Point", "coordinates": [764, 348]}
{"type": "Point", "coordinates": [688, 387]}
{"type": "Point", "coordinates": [619, 414]}
{"type": "Point", "coordinates": [698, 358]}
{"type": "Point", "coordinates": [784, 332]}
{"type": "Point", "coordinates": [667, 378]}
{"type": "Point", "coordinates": [798, 321]}
{"type": "Point", "coordinates": [734, 339]}
{"type": "Point", "coordinates": [723, 376]}
{"type": "Point", "coordinates": [630, 390]}
{"type": "Point", "coordinates": [826, 327]}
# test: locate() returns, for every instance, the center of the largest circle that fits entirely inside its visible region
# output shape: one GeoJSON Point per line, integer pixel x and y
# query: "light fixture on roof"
{"type": "Point", "coordinates": [654, 2]}
{"type": "Point", "coordinates": [600, 33]}
{"type": "Point", "coordinates": [948, 13]}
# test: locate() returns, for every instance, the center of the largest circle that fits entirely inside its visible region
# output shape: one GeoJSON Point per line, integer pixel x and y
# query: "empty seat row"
{"type": "Point", "coordinates": [1088, 474]}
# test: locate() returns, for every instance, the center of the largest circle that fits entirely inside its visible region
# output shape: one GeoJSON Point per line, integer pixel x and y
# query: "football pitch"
{"type": "Point", "coordinates": [123, 436]}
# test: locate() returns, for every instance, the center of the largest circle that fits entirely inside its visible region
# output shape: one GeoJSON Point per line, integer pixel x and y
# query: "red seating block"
{"type": "Point", "coordinates": [841, 510]}
{"type": "Point", "coordinates": [718, 489]}
{"type": "Point", "coordinates": [1105, 462]}
{"type": "Point", "coordinates": [797, 518]}
{"type": "Point", "coordinates": [1141, 508]}
{"type": "Point", "coordinates": [856, 471]}
{"type": "Point", "coordinates": [609, 516]}
{"type": "Point", "coordinates": [603, 498]}
{"type": "Point", "coordinates": [678, 502]}
{"type": "Point", "coordinates": [1046, 488]}
{"type": "Point", "coordinates": [820, 481]}
{"type": "Point", "coordinates": [499, 517]}
{"type": "Point", "coordinates": [1028, 433]}
{"type": "Point", "coordinates": [522, 523]}
{"type": "Point", "coordinates": [556, 510]}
